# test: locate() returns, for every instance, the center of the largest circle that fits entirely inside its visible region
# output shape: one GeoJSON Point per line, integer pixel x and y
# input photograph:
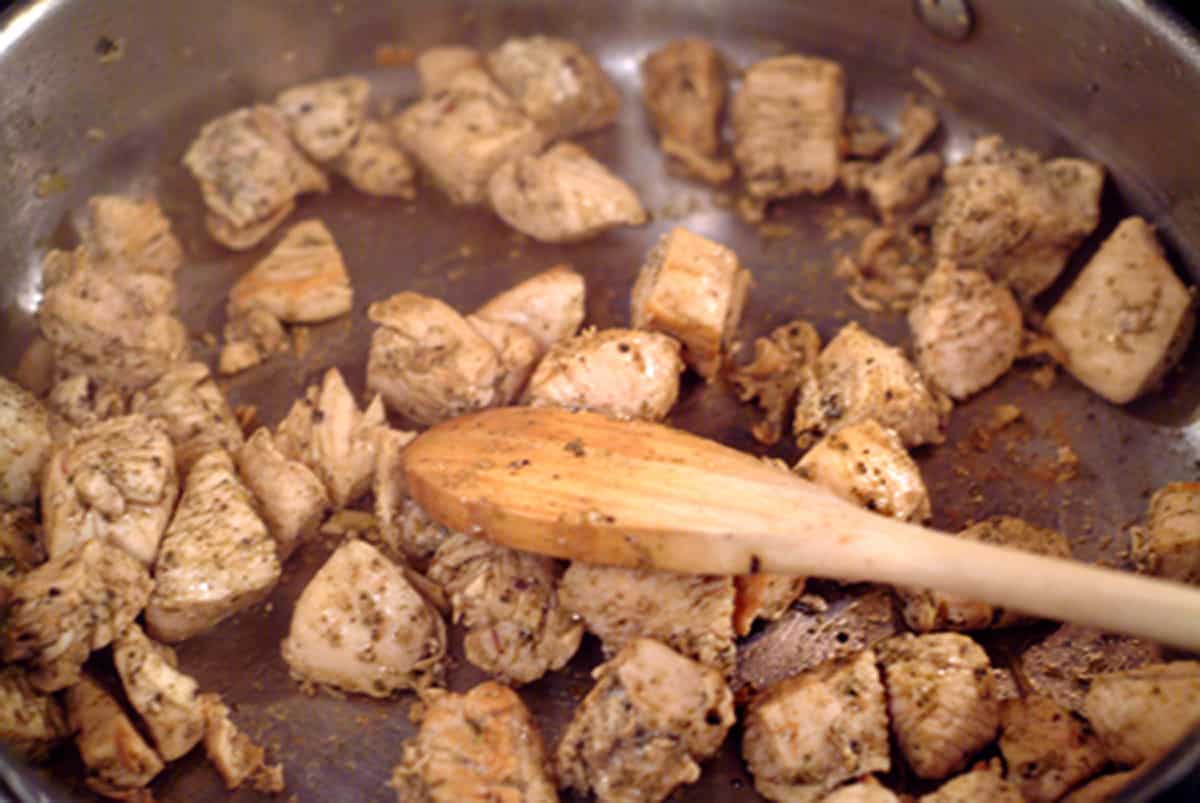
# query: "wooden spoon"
{"type": "Point", "coordinates": [585, 487]}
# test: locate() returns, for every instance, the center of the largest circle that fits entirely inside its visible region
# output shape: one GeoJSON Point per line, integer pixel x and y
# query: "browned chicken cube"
{"type": "Point", "coordinates": [24, 444]}
{"type": "Point", "coordinates": [642, 730]}
{"type": "Point", "coordinates": [115, 754]}
{"type": "Point", "coordinates": [166, 698]}
{"type": "Point", "coordinates": [134, 236]}
{"type": "Point", "coordinates": [325, 117]}
{"type": "Point", "coordinates": [302, 280]}
{"type": "Point", "coordinates": [31, 723]}
{"type": "Point", "coordinates": [251, 336]}
{"type": "Point", "coordinates": [194, 411]}
{"type": "Point", "coordinates": [983, 783]}
{"type": "Point", "coordinates": [479, 746]}
{"type": "Point", "coordinates": [292, 498]}
{"type": "Point", "coordinates": [806, 735]}
{"type": "Point", "coordinates": [1063, 665]}
{"type": "Point", "coordinates": [693, 289]}
{"type": "Point", "coordinates": [376, 164]}
{"type": "Point", "coordinates": [683, 87]}
{"type": "Point", "coordinates": [1048, 749]}
{"type": "Point", "coordinates": [1142, 713]}
{"type": "Point", "coordinates": [1169, 544]}
{"type": "Point", "coordinates": [235, 756]}
{"type": "Point", "coordinates": [549, 305]}
{"type": "Point", "coordinates": [437, 66]}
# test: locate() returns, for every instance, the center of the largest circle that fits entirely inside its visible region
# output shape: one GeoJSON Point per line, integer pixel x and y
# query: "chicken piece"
{"type": "Point", "coordinates": [860, 377]}
{"type": "Point", "coordinates": [461, 134]}
{"type": "Point", "coordinates": [114, 481]}
{"type": "Point", "coordinates": [866, 464]}
{"type": "Point", "coordinates": [133, 236]}
{"type": "Point", "coordinates": [412, 534]}
{"type": "Point", "coordinates": [291, 497]}
{"type": "Point", "coordinates": [562, 195]}
{"type": "Point", "coordinates": [865, 137]}
{"type": "Point", "coordinates": [437, 66]}
{"type": "Point", "coordinates": [394, 510]}
{"type": "Point", "coordinates": [868, 791]}
{"type": "Point", "coordinates": [517, 629]}
{"type": "Point", "coordinates": [1169, 546]}
{"type": "Point", "coordinates": [806, 735]}
{"type": "Point", "coordinates": [24, 444]}
{"type": "Point", "coordinates": [902, 180]}
{"type": "Point", "coordinates": [78, 402]}
{"type": "Point", "coordinates": [235, 756]}
{"type": "Point", "coordinates": [683, 87]}
{"type": "Point", "coordinates": [361, 627]}
{"type": "Point", "coordinates": [217, 557]}
{"type": "Point", "coordinates": [1102, 790]}
{"type": "Point", "coordinates": [556, 84]}
{"type": "Point", "coordinates": [926, 610]}
{"type": "Point", "coordinates": [692, 614]}
{"type": "Point", "coordinates": [645, 725]}
{"type": "Point", "coordinates": [966, 330]}
{"type": "Point", "coordinates": [251, 336]}
{"type": "Point", "coordinates": [115, 754]}
{"type": "Point", "coordinates": [31, 723]}
{"type": "Point", "coordinates": [787, 126]}
{"type": "Point", "coordinates": [165, 698]}
{"type": "Point", "coordinates": [302, 280]}
{"type": "Point", "coordinates": [250, 174]}
{"type": "Point", "coordinates": [325, 117]}
{"type": "Point", "coordinates": [549, 305]}
{"type": "Point", "coordinates": [782, 369]}
{"type": "Point", "coordinates": [376, 164]}
{"type": "Point", "coordinates": [1007, 212]}
{"type": "Point", "coordinates": [763, 596]}
{"type": "Point", "coordinates": [197, 417]}
{"type": "Point", "coordinates": [518, 351]}
{"type": "Point", "coordinates": [1063, 665]}
{"type": "Point", "coordinates": [984, 783]}
{"type": "Point", "coordinates": [475, 747]}
{"type": "Point", "coordinates": [1127, 319]}
{"type": "Point", "coordinates": [693, 289]}
{"type": "Point", "coordinates": [942, 700]}
{"type": "Point", "coordinates": [1139, 714]}
{"type": "Point", "coordinates": [22, 547]}
{"type": "Point", "coordinates": [1047, 749]}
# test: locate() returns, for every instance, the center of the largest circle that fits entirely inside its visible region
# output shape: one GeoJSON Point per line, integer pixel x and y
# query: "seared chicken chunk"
{"type": "Point", "coordinates": [518, 352]}
{"type": "Point", "coordinates": [408, 532]}
{"type": "Point", "coordinates": [692, 614]}
{"type": "Point", "coordinates": [437, 66]}
{"type": "Point", "coordinates": [1048, 750]}
{"type": "Point", "coordinates": [556, 84]}
{"type": "Point", "coordinates": [361, 627]}
{"type": "Point", "coordinates": [1169, 545]}
{"type": "Point", "coordinates": [810, 733]}
{"type": "Point", "coordinates": [302, 280]}
{"type": "Point", "coordinates": [325, 117]}
{"type": "Point", "coordinates": [376, 164]}
{"type": "Point", "coordinates": [1142, 713]}
{"type": "Point", "coordinates": [115, 482]}
{"type": "Point", "coordinates": [942, 700]}
{"type": "Point", "coordinates": [868, 791]}
{"type": "Point", "coordinates": [115, 754]}
{"type": "Point", "coordinates": [645, 725]}
{"type": "Point", "coordinates": [479, 746]}
{"type": "Point", "coordinates": [293, 500]}
{"type": "Point", "coordinates": [195, 412]}
{"type": "Point", "coordinates": [549, 305]}
{"type": "Point", "coordinates": [78, 401]}
{"type": "Point", "coordinates": [517, 629]}
{"type": "Point", "coordinates": [251, 336]}
{"type": "Point", "coordinates": [1127, 319]}
{"type": "Point", "coordinates": [984, 783]}
{"type": "Point", "coordinates": [236, 758]}
{"type": "Point", "coordinates": [1063, 665]}
{"type": "Point", "coordinates": [693, 289]}
{"type": "Point", "coordinates": [461, 134]}
{"type": "Point", "coordinates": [787, 125]}
{"type": "Point", "coordinates": [24, 444]}
{"type": "Point", "coordinates": [31, 723]}
{"type": "Point", "coordinates": [22, 547]}
{"type": "Point", "coordinates": [165, 698]}
{"type": "Point", "coordinates": [1007, 212]}
{"type": "Point", "coordinates": [217, 557]}
{"type": "Point", "coordinates": [562, 195]}
{"type": "Point", "coordinates": [683, 86]}
{"type": "Point", "coordinates": [782, 369]}
{"type": "Point", "coordinates": [133, 236]}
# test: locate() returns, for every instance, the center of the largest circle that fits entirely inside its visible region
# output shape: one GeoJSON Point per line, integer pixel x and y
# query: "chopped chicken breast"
{"type": "Point", "coordinates": [361, 627]}
{"type": "Point", "coordinates": [984, 783]}
{"type": "Point", "coordinates": [251, 336]}
{"type": "Point", "coordinates": [78, 402]}
{"type": "Point", "coordinates": [325, 117]}
{"type": "Point", "coordinates": [556, 84]}
{"type": "Point", "coordinates": [437, 66]}
{"type": "Point", "coordinates": [1142, 713]}
{"type": "Point", "coordinates": [517, 629]}
{"type": "Point", "coordinates": [1048, 750]}
{"type": "Point", "coordinates": [645, 725]}
{"type": "Point", "coordinates": [1169, 545]}
{"type": "Point", "coordinates": [461, 134]}
{"type": "Point", "coordinates": [806, 735]}
{"type": "Point", "coordinates": [1102, 790]}
{"type": "Point", "coordinates": [235, 756]}
{"type": "Point", "coordinates": [621, 372]}
{"type": "Point", "coordinates": [868, 791]}
{"type": "Point", "coordinates": [195, 412]}
{"type": "Point", "coordinates": [782, 369]}
{"type": "Point", "coordinates": [1127, 319]}
{"type": "Point", "coordinates": [292, 499]}
{"type": "Point", "coordinates": [410, 533]}
{"type": "Point", "coordinates": [217, 557]}
{"type": "Point", "coordinates": [763, 596]}
{"type": "Point", "coordinates": [22, 547]}
{"type": "Point", "coordinates": [114, 481]}
{"type": "Point", "coordinates": [132, 236]}
{"type": "Point", "coordinates": [1007, 212]}
{"type": "Point", "coordinates": [24, 444]}
{"type": "Point", "coordinates": [115, 754]}
{"type": "Point", "coordinates": [31, 723]}
{"type": "Point", "coordinates": [1062, 665]}
{"type": "Point", "coordinates": [692, 614]}
{"type": "Point", "coordinates": [683, 87]}
{"type": "Point", "coordinates": [165, 698]}
{"type": "Point", "coordinates": [787, 125]}
{"type": "Point", "coordinates": [302, 280]}
{"type": "Point", "coordinates": [549, 305]}
{"type": "Point", "coordinates": [517, 350]}
{"type": "Point", "coordinates": [866, 464]}
{"type": "Point", "coordinates": [942, 700]}
{"type": "Point", "coordinates": [376, 164]}
{"type": "Point", "coordinates": [479, 746]}
{"type": "Point", "coordinates": [693, 289]}
{"type": "Point", "coordinates": [562, 195]}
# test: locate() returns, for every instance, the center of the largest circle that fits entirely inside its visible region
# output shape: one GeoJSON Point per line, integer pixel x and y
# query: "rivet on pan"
{"type": "Point", "coordinates": [948, 18]}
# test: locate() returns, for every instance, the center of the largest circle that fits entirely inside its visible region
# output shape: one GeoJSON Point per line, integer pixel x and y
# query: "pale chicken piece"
{"type": "Point", "coordinates": [860, 377]}
{"type": "Point", "coordinates": [24, 444]}
{"type": "Point", "coordinates": [763, 596]}
{"type": "Point", "coordinates": [31, 723]}
{"type": "Point", "coordinates": [1140, 714]}
{"type": "Point", "coordinates": [683, 87]}
{"type": "Point", "coordinates": [518, 351]}
{"type": "Point", "coordinates": [376, 164]}
{"type": "Point", "coordinates": [393, 508]}
{"type": "Point", "coordinates": [787, 125]}
{"type": "Point", "coordinates": [1102, 790]}
{"type": "Point", "coordinates": [690, 613]}
{"type": "Point", "coordinates": [1063, 665]}
{"type": "Point", "coordinates": [556, 84]}
{"type": "Point", "coordinates": [983, 783]}
{"type": "Point", "coordinates": [1169, 544]}
{"type": "Point", "coordinates": [868, 791]}
{"type": "Point", "coordinates": [359, 626]}
{"type": "Point", "coordinates": [942, 700]}
{"type": "Point", "coordinates": [966, 330]}
{"type": "Point", "coordinates": [235, 756]}
{"type": "Point", "coordinates": [806, 735]}
{"type": "Point", "coordinates": [517, 627]}
{"type": "Point", "coordinates": [642, 730]}
{"type": "Point", "coordinates": [251, 336]}
{"type": "Point", "coordinates": [124, 234]}
{"type": "Point", "coordinates": [926, 610]}
{"type": "Point", "coordinates": [1009, 213]}
{"type": "Point", "coordinates": [1127, 319]}
{"type": "Point", "coordinates": [250, 174]}
{"type": "Point", "coordinates": [217, 557]}
{"type": "Point", "coordinates": [114, 481]}
{"type": "Point", "coordinates": [549, 305]}
{"type": "Point", "coordinates": [325, 117]}
{"type": "Point", "coordinates": [461, 134]}
{"type": "Point", "coordinates": [437, 66]}
{"type": "Point", "coordinates": [693, 289]}
{"type": "Point", "coordinates": [69, 606]}
{"type": "Point", "coordinates": [293, 500]}
{"type": "Point", "coordinates": [195, 412]}
{"type": "Point", "coordinates": [782, 369]}
{"type": "Point", "coordinates": [1047, 749]}
{"type": "Point", "coordinates": [866, 464]}
{"type": "Point", "coordinates": [165, 698]}
{"type": "Point", "coordinates": [78, 402]}
{"type": "Point", "coordinates": [562, 195]}
{"type": "Point", "coordinates": [302, 280]}
{"type": "Point", "coordinates": [117, 758]}
{"type": "Point", "coordinates": [473, 748]}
